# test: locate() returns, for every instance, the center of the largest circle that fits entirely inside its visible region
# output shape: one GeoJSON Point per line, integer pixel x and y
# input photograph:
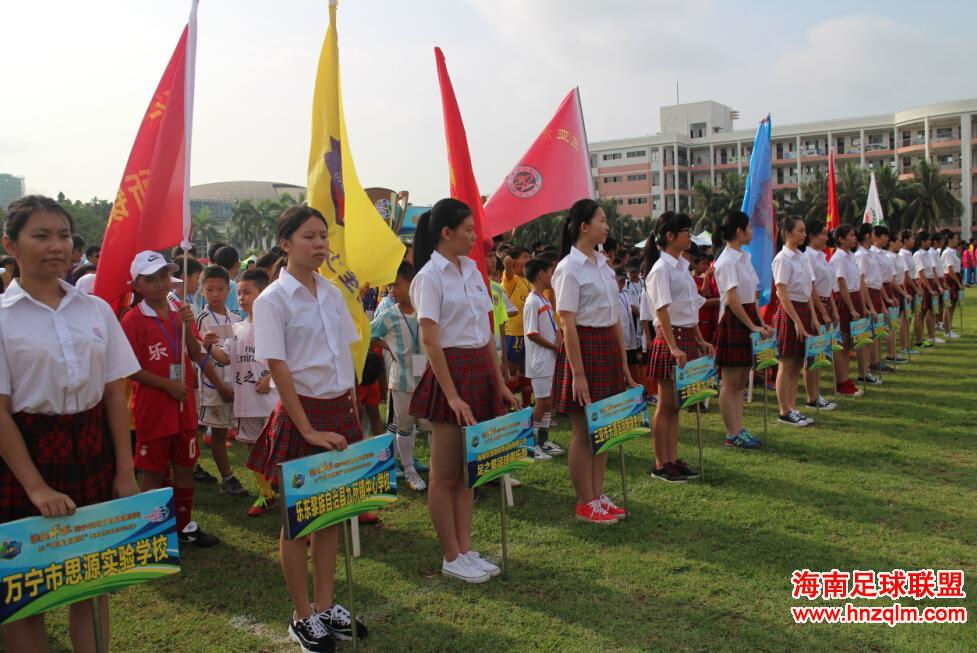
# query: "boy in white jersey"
{"type": "Point", "coordinates": [216, 394]}
{"type": "Point", "coordinates": [397, 331]}
{"type": "Point", "coordinates": [254, 398]}
{"type": "Point", "coordinates": [542, 342]}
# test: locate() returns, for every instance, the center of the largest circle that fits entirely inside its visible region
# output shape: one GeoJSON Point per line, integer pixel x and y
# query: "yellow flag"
{"type": "Point", "coordinates": [363, 249]}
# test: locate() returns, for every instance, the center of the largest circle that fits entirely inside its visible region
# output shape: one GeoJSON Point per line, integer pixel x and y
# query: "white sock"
{"type": "Point", "coordinates": [405, 443]}
{"type": "Point", "coordinates": [547, 420]}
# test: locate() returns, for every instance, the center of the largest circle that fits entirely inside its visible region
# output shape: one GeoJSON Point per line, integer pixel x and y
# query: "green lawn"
{"type": "Point", "coordinates": [888, 481]}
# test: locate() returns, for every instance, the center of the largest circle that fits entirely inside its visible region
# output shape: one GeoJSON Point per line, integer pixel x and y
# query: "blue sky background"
{"type": "Point", "coordinates": [78, 76]}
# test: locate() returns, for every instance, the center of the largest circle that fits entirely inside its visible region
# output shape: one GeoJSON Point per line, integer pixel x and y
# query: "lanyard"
{"type": "Point", "coordinates": [413, 334]}
{"type": "Point", "coordinates": [549, 313]}
{"type": "Point", "coordinates": [169, 340]}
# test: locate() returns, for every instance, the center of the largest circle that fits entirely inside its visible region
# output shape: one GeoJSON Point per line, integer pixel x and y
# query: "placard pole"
{"type": "Point", "coordinates": [354, 525]}
{"type": "Point", "coordinates": [624, 482]}
{"type": "Point", "coordinates": [97, 625]}
{"type": "Point", "coordinates": [763, 380]}
{"type": "Point", "coordinates": [505, 534]}
{"type": "Point", "coordinates": [698, 431]}
{"type": "Point", "coordinates": [347, 554]}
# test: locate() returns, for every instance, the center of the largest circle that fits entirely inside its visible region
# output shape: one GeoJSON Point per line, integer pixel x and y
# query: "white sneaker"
{"type": "Point", "coordinates": [476, 560]}
{"type": "Point", "coordinates": [553, 448]}
{"type": "Point", "coordinates": [462, 569]}
{"type": "Point", "coordinates": [953, 334]}
{"type": "Point", "coordinates": [938, 340]}
{"type": "Point", "coordinates": [414, 479]}
{"type": "Point", "coordinates": [539, 454]}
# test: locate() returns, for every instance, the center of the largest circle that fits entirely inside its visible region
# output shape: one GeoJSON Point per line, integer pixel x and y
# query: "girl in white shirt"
{"type": "Point", "coordinates": [938, 277]}
{"type": "Point", "coordinates": [927, 284]}
{"type": "Point", "coordinates": [676, 301]}
{"type": "Point", "coordinates": [794, 319]}
{"type": "Point", "coordinates": [462, 384]}
{"type": "Point", "coordinates": [912, 287]}
{"type": "Point", "coordinates": [822, 291]}
{"type": "Point", "coordinates": [64, 424]}
{"type": "Point", "coordinates": [951, 277]}
{"type": "Point", "coordinates": [902, 296]}
{"type": "Point", "coordinates": [880, 247]}
{"type": "Point", "coordinates": [872, 297]}
{"type": "Point", "coordinates": [738, 319]}
{"type": "Point", "coordinates": [848, 304]}
{"type": "Point", "coordinates": [303, 332]}
{"type": "Point", "coordinates": [591, 364]}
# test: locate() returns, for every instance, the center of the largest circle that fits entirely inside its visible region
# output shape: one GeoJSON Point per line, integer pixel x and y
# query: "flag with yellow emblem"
{"type": "Point", "coordinates": [362, 248]}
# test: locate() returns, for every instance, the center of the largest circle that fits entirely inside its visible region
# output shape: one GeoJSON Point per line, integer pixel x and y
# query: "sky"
{"type": "Point", "coordinates": [77, 77]}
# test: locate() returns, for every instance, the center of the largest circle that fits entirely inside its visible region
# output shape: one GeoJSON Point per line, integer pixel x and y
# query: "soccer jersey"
{"type": "Point", "coordinates": [402, 334]}
{"type": "Point", "coordinates": [245, 372]}
{"type": "Point", "coordinates": [223, 325]}
{"type": "Point", "coordinates": [517, 289]}
{"type": "Point", "coordinates": [538, 312]}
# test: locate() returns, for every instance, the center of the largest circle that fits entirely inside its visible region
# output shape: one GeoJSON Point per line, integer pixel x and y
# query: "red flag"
{"type": "Point", "coordinates": [463, 186]}
{"type": "Point", "coordinates": [152, 205]}
{"type": "Point", "coordinates": [553, 174]}
{"type": "Point", "coordinates": [833, 220]}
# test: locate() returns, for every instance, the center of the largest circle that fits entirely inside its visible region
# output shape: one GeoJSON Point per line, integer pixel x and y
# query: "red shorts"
{"type": "Point", "coordinates": [156, 455]}
{"type": "Point", "coordinates": [368, 395]}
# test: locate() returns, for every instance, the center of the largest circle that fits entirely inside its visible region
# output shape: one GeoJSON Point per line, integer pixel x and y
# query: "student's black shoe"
{"type": "Point", "coordinates": [201, 475]}
{"type": "Point", "coordinates": [311, 635]}
{"type": "Point", "coordinates": [192, 534]}
{"type": "Point", "coordinates": [685, 469]}
{"type": "Point", "coordinates": [669, 474]}
{"type": "Point", "coordinates": [336, 620]}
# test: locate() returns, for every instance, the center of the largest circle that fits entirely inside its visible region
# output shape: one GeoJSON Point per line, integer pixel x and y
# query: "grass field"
{"type": "Point", "coordinates": [888, 481]}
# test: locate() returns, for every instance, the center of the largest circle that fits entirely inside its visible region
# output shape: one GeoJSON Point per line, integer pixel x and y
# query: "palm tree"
{"type": "Point", "coordinates": [892, 195]}
{"type": "Point", "coordinates": [244, 224]}
{"type": "Point", "coordinates": [812, 200]}
{"type": "Point", "coordinates": [931, 201]}
{"type": "Point", "coordinates": [851, 187]}
{"type": "Point", "coordinates": [710, 203]}
{"type": "Point", "coordinates": [204, 226]}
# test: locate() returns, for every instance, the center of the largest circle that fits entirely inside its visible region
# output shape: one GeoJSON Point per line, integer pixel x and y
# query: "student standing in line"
{"type": "Point", "coordinates": [543, 340]}
{"type": "Point", "coordinates": [927, 284]}
{"type": "Point", "coordinates": [824, 283]}
{"type": "Point", "coordinates": [951, 277]}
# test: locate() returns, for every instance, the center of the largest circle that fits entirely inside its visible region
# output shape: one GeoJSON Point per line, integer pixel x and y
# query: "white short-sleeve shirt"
{"type": "Point", "coordinates": [57, 361]}
{"type": "Point", "coordinates": [626, 319]}
{"type": "Point", "coordinates": [869, 266]}
{"type": "Point", "coordinates": [670, 284]}
{"type": "Point", "coordinates": [734, 269]}
{"type": "Point", "coordinates": [791, 268]}
{"type": "Point", "coordinates": [454, 299]}
{"type": "Point", "coordinates": [246, 371]}
{"type": "Point", "coordinates": [935, 261]}
{"type": "Point", "coordinates": [538, 319]}
{"type": "Point", "coordinates": [586, 287]}
{"type": "Point", "coordinates": [882, 259]}
{"type": "Point", "coordinates": [824, 281]}
{"type": "Point", "coordinates": [951, 260]}
{"type": "Point", "coordinates": [908, 263]}
{"type": "Point", "coordinates": [312, 334]}
{"type": "Point", "coordinates": [843, 266]}
{"type": "Point", "coordinates": [923, 262]}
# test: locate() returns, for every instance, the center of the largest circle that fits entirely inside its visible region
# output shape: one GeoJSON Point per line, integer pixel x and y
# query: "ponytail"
{"type": "Point", "coordinates": [650, 256]}
{"type": "Point", "coordinates": [447, 213]}
{"type": "Point", "coordinates": [423, 247]}
{"type": "Point", "coordinates": [581, 213]}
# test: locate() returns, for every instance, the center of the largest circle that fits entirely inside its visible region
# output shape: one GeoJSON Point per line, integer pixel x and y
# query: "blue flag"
{"type": "Point", "coordinates": [758, 204]}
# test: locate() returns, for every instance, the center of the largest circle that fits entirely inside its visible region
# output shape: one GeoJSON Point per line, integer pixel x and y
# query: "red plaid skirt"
{"type": "Point", "coordinates": [602, 366]}
{"type": "Point", "coordinates": [927, 296]}
{"type": "Point", "coordinates": [280, 441]}
{"type": "Point", "coordinates": [878, 306]}
{"type": "Point", "coordinates": [733, 345]}
{"type": "Point", "coordinates": [73, 453]}
{"type": "Point", "coordinates": [790, 345]}
{"type": "Point", "coordinates": [474, 378]}
{"type": "Point", "coordinates": [662, 363]}
{"type": "Point", "coordinates": [954, 288]}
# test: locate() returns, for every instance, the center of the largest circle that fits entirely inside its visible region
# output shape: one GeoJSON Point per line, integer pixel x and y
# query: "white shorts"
{"type": "Point", "coordinates": [403, 420]}
{"type": "Point", "coordinates": [218, 417]}
{"type": "Point", "coordinates": [249, 428]}
{"type": "Point", "coordinates": [542, 387]}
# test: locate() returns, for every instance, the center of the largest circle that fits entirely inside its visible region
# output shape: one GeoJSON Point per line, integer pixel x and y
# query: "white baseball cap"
{"type": "Point", "coordinates": [149, 262]}
{"type": "Point", "coordinates": [86, 283]}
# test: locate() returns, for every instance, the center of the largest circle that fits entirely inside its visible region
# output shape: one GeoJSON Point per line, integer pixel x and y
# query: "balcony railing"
{"type": "Point", "coordinates": [872, 147]}
{"type": "Point", "coordinates": [918, 140]}
{"type": "Point", "coordinates": [950, 137]}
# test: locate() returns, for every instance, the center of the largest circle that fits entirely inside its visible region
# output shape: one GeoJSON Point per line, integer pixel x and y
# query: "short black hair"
{"type": "Point", "coordinates": [81, 271]}
{"type": "Point", "coordinates": [405, 271]}
{"type": "Point", "coordinates": [77, 242]}
{"type": "Point", "coordinates": [213, 249]}
{"type": "Point", "coordinates": [517, 251]}
{"type": "Point", "coordinates": [179, 251]}
{"type": "Point", "coordinates": [226, 257]}
{"type": "Point", "coordinates": [258, 277]}
{"type": "Point", "coordinates": [536, 266]}
{"type": "Point", "coordinates": [20, 210]}
{"type": "Point", "coordinates": [92, 251]}
{"type": "Point", "coordinates": [193, 266]}
{"type": "Point", "coordinates": [620, 273]}
{"type": "Point", "coordinates": [610, 245]}
{"type": "Point", "coordinates": [215, 272]}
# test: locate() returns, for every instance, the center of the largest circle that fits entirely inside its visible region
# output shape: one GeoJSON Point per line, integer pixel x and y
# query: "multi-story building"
{"type": "Point", "coordinates": [650, 174]}
{"type": "Point", "coordinates": [11, 188]}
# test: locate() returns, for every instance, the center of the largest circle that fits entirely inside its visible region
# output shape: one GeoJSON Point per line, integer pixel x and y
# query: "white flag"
{"type": "Point", "coordinates": [873, 207]}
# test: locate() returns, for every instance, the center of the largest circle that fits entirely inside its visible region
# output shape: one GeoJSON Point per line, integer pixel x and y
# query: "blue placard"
{"type": "Point", "coordinates": [861, 332]}
{"type": "Point", "coordinates": [614, 420]}
{"type": "Point", "coordinates": [497, 446]}
{"type": "Point", "coordinates": [817, 350]}
{"type": "Point", "coordinates": [935, 303]}
{"type": "Point", "coordinates": [917, 303]}
{"type": "Point", "coordinates": [47, 562]}
{"type": "Point", "coordinates": [764, 350]}
{"type": "Point", "coordinates": [946, 297]}
{"type": "Point", "coordinates": [328, 488]}
{"type": "Point", "coordinates": [893, 314]}
{"type": "Point", "coordinates": [880, 326]}
{"type": "Point", "coordinates": [696, 381]}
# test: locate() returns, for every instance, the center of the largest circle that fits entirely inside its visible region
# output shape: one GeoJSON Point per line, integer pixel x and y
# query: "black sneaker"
{"type": "Point", "coordinates": [669, 474]}
{"type": "Point", "coordinates": [192, 534]}
{"type": "Point", "coordinates": [311, 635]}
{"type": "Point", "coordinates": [201, 475]}
{"type": "Point", "coordinates": [232, 487]}
{"type": "Point", "coordinates": [886, 368]}
{"type": "Point", "coordinates": [685, 469]}
{"type": "Point", "coordinates": [793, 418]}
{"type": "Point", "coordinates": [870, 379]}
{"type": "Point", "coordinates": [336, 620]}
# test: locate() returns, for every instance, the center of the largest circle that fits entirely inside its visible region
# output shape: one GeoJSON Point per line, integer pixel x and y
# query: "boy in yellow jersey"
{"type": "Point", "coordinates": [517, 289]}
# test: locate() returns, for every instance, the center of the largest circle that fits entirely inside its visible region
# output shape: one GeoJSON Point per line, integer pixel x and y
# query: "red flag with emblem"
{"type": "Point", "coordinates": [152, 205]}
{"type": "Point", "coordinates": [552, 175]}
{"type": "Point", "coordinates": [463, 186]}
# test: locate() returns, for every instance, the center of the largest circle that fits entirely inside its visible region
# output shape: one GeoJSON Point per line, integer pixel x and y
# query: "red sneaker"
{"type": "Point", "coordinates": [594, 513]}
{"type": "Point", "coordinates": [261, 505]}
{"type": "Point", "coordinates": [848, 389]}
{"type": "Point", "coordinates": [612, 509]}
{"type": "Point", "coordinates": [368, 518]}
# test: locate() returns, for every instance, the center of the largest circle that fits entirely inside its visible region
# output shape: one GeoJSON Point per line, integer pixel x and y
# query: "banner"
{"type": "Point", "coordinates": [696, 381]}
{"type": "Point", "coordinates": [328, 488]}
{"type": "Point", "coordinates": [758, 204]}
{"type": "Point", "coordinates": [946, 297]}
{"type": "Point", "coordinates": [861, 332]}
{"type": "Point", "coordinates": [362, 248]}
{"type": "Point", "coordinates": [935, 303]}
{"type": "Point", "coordinates": [834, 215]}
{"type": "Point", "coordinates": [764, 351]}
{"type": "Point", "coordinates": [818, 350]}
{"type": "Point", "coordinates": [893, 315]}
{"type": "Point", "coordinates": [873, 207]}
{"type": "Point", "coordinates": [614, 420]}
{"type": "Point", "coordinates": [837, 339]}
{"type": "Point", "coordinates": [152, 205]}
{"type": "Point", "coordinates": [497, 447]}
{"type": "Point", "coordinates": [880, 326]}
{"type": "Point", "coordinates": [917, 303]}
{"type": "Point", "coordinates": [552, 175]}
{"type": "Point", "coordinates": [48, 562]}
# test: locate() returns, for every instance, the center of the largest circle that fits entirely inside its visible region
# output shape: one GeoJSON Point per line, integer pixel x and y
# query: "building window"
{"type": "Point", "coordinates": [634, 154]}
{"type": "Point", "coordinates": [639, 177]}
{"type": "Point", "coordinates": [613, 179]}
{"type": "Point", "coordinates": [612, 156]}
{"type": "Point", "coordinates": [637, 200]}
{"type": "Point", "coordinates": [654, 155]}
{"type": "Point", "coordinates": [619, 202]}
{"type": "Point", "coordinates": [944, 132]}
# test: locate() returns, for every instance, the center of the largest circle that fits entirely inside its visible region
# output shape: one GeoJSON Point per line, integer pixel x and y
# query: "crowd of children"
{"type": "Point", "coordinates": [206, 351]}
